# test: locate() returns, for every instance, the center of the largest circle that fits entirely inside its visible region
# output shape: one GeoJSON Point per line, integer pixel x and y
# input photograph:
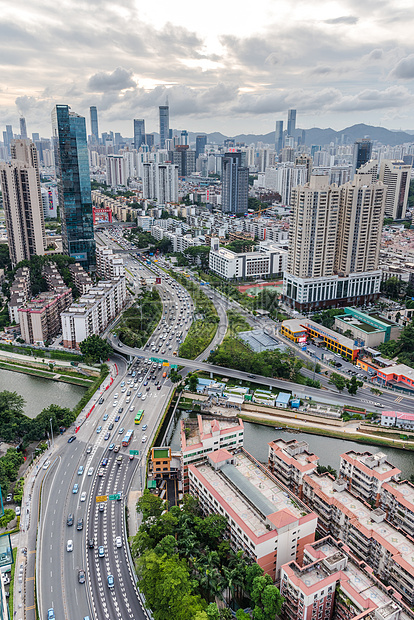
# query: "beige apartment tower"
{"type": "Point", "coordinates": [22, 199]}
{"type": "Point", "coordinates": [396, 176]}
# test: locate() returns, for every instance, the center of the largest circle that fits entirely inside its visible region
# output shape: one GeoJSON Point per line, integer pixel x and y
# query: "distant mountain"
{"type": "Point", "coordinates": [322, 136]}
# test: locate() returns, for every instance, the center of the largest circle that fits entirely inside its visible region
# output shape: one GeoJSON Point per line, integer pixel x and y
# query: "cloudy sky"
{"type": "Point", "coordinates": [226, 65]}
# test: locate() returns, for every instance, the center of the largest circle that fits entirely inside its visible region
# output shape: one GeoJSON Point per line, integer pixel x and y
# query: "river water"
{"type": "Point", "coordinates": [40, 393]}
{"type": "Point", "coordinates": [329, 449]}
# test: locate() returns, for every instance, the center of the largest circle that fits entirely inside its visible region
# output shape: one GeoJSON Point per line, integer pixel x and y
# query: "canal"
{"type": "Point", "coordinates": [329, 449]}
{"type": "Point", "coordinates": [40, 393]}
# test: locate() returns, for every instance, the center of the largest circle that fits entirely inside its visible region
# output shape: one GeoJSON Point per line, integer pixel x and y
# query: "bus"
{"type": "Point", "coordinates": [139, 416]}
{"type": "Point", "coordinates": [127, 439]}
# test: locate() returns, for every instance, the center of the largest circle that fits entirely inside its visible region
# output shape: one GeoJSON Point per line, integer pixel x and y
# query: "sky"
{"type": "Point", "coordinates": [225, 65]}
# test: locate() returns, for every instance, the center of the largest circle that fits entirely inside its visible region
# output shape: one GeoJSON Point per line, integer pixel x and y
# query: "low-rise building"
{"type": "Point", "coordinates": [81, 279]}
{"type": "Point", "coordinates": [400, 375]}
{"type": "Point", "coordinates": [93, 312]}
{"type": "Point", "coordinates": [109, 266]}
{"type": "Point", "coordinates": [269, 523]}
{"type": "Point", "coordinates": [39, 318]}
{"type": "Point", "coordinates": [206, 434]}
{"type": "Point", "coordinates": [164, 464]}
{"type": "Point", "coordinates": [398, 419]}
{"type": "Point", "coordinates": [290, 461]}
{"type": "Point", "coordinates": [366, 473]}
{"type": "Point", "coordinates": [385, 548]}
{"type": "Point", "coordinates": [370, 330]}
{"type": "Point", "coordinates": [270, 260]}
{"type": "Point", "coordinates": [299, 330]}
{"type": "Point", "coordinates": [333, 583]}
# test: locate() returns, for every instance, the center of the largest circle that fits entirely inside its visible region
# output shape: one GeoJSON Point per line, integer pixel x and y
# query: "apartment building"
{"type": "Point", "coordinates": [333, 583]}
{"type": "Point", "coordinates": [269, 260]}
{"type": "Point", "coordinates": [53, 278]}
{"type": "Point", "coordinates": [269, 523]}
{"type": "Point", "coordinates": [92, 312]}
{"type": "Point", "coordinates": [366, 531]}
{"type": "Point", "coordinates": [20, 291]}
{"type": "Point", "coordinates": [366, 473]}
{"type": "Point", "coordinates": [397, 500]}
{"type": "Point", "coordinates": [398, 419]}
{"type": "Point", "coordinates": [290, 461]}
{"type": "Point", "coordinates": [396, 176]}
{"type": "Point", "coordinates": [204, 435]}
{"type": "Point", "coordinates": [40, 318]}
{"type": "Point", "coordinates": [109, 266]}
{"type": "Point", "coordinates": [80, 278]}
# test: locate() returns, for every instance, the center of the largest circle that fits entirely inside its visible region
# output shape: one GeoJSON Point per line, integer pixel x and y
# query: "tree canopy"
{"type": "Point", "coordinates": [95, 349]}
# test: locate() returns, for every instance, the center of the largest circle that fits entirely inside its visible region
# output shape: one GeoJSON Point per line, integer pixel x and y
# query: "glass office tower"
{"type": "Point", "coordinates": [164, 124]}
{"type": "Point", "coordinates": [74, 185]}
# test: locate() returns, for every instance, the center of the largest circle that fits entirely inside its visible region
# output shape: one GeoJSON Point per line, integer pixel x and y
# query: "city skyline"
{"type": "Point", "coordinates": [336, 64]}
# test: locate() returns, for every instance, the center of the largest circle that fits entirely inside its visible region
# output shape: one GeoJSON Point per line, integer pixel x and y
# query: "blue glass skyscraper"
{"type": "Point", "coordinates": [74, 185]}
{"type": "Point", "coordinates": [164, 124]}
{"type": "Point", "coordinates": [94, 123]}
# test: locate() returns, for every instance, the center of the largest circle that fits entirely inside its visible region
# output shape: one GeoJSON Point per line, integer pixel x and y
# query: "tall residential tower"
{"type": "Point", "coordinates": [74, 185]}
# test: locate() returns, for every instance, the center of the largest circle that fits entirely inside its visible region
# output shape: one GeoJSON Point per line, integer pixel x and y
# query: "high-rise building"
{"type": "Point", "coordinates": [184, 158]}
{"type": "Point", "coordinates": [116, 171]}
{"type": "Point", "coordinates": [9, 134]}
{"type": "Point", "coordinates": [74, 185]}
{"type": "Point", "coordinates": [139, 132]}
{"type": "Point", "coordinates": [305, 160]}
{"type": "Point", "coordinates": [149, 139]}
{"type": "Point", "coordinates": [334, 240]}
{"type": "Point", "coordinates": [164, 111]}
{"type": "Point", "coordinates": [291, 123]}
{"type": "Point", "coordinates": [361, 153]}
{"type": "Point", "coordinates": [235, 184]}
{"type": "Point", "coordinates": [201, 141]}
{"type": "Point", "coordinates": [23, 207]}
{"type": "Point", "coordinates": [94, 123]}
{"type": "Point", "coordinates": [279, 136]}
{"type": "Point", "coordinates": [184, 137]}
{"type": "Point", "coordinates": [396, 176]}
{"type": "Point", "coordinates": [23, 130]}
{"type": "Point", "coordinates": [160, 182]}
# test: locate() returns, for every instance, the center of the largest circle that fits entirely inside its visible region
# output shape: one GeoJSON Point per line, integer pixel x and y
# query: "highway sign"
{"type": "Point", "coordinates": [113, 497]}
{"type": "Point", "coordinates": [156, 360]}
{"type": "Point", "coordinates": [174, 366]}
{"type": "Point", "coordinates": [134, 452]}
{"type": "Point", "coordinates": [166, 363]}
{"type": "Point", "coordinates": [101, 498]}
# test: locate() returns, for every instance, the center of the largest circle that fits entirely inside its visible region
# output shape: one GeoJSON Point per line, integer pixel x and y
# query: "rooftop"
{"type": "Point", "coordinates": [201, 428]}
{"type": "Point", "coordinates": [375, 462]}
{"type": "Point", "coordinates": [258, 494]}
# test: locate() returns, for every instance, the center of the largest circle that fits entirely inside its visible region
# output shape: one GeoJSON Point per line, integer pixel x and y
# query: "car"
{"type": "Point", "coordinates": [144, 438]}
{"type": "Point", "coordinates": [139, 394]}
{"type": "Point", "coordinates": [75, 488]}
{"type": "Point", "coordinates": [100, 401]}
{"type": "Point", "coordinates": [120, 410]}
{"type": "Point", "coordinates": [51, 614]}
{"type": "Point", "coordinates": [81, 576]}
{"type": "Point", "coordinates": [110, 427]}
{"type": "Point", "coordinates": [144, 397]}
{"type": "Point", "coordinates": [107, 436]}
{"type": "Point", "coordinates": [71, 438]}
{"type": "Point", "coordinates": [158, 387]}
{"type": "Point", "coordinates": [148, 388]}
{"type": "Point", "coordinates": [83, 496]}
{"type": "Point", "coordinates": [114, 404]}
{"type": "Point", "coordinates": [252, 376]}
{"type": "Point", "coordinates": [118, 542]}
{"type": "Point", "coordinates": [144, 428]}
{"type": "Point", "coordinates": [69, 545]}
{"type": "Point", "coordinates": [104, 462]}
{"type": "Point", "coordinates": [100, 473]}
{"type": "Point", "coordinates": [123, 389]}
{"type": "Point", "coordinates": [79, 525]}
{"type": "Point", "coordinates": [101, 507]}
{"type": "Point", "coordinates": [101, 552]}
{"type": "Point", "coordinates": [69, 520]}
{"type": "Point", "coordinates": [122, 384]}
{"type": "Point", "coordinates": [117, 448]}
{"type": "Point", "coordinates": [111, 446]}
{"type": "Point", "coordinates": [90, 471]}
{"type": "Point", "coordinates": [91, 543]}
{"type": "Point", "coordinates": [116, 395]}
{"type": "Point", "coordinates": [121, 431]}
{"type": "Point", "coordinates": [106, 416]}
{"type": "Point", "coordinates": [46, 464]}
{"type": "Point", "coordinates": [117, 418]}
{"type": "Point", "coordinates": [88, 449]}
{"type": "Point", "coordinates": [17, 511]}
{"type": "Point", "coordinates": [98, 430]}
{"type": "Point", "coordinates": [110, 581]}
{"type": "Point", "coordinates": [131, 457]}
{"type": "Point", "coordinates": [145, 382]}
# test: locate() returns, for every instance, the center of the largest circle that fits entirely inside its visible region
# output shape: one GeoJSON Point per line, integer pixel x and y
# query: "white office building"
{"type": "Point", "coordinates": [269, 260]}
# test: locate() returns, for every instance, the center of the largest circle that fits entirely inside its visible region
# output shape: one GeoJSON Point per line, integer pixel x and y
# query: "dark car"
{"type": "Point", "coordinates": [107, 436]}
{"type": "Point", "coordinates": [104, 462]}
{"type": "Point", "coordinates": [148, 388]}
{"type": "Point", "coordinates": [110, 427]}
{"type": "Point", "coordinates": [80, 524]}
{"type": "Point", "coordinates": [252, 376]}
{"type": "Point", "coordinates": [81, 576]}
{"type": "Point", "coordinates": [120, 410]}
{"type": "Point", "coordinates": [117, 418]}
{"type": "Point", "coordinates": [69, 520]}
{"type": "Point", "coordinates": [71, 438]}
{"type": "Point", "coordinates": [100, 401]}
{"type": "Point", "coordinates": [91, 543]}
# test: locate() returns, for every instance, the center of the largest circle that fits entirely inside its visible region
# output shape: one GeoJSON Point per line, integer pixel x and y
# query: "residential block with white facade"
{"type": "Point", "coordinates": [269, 260]}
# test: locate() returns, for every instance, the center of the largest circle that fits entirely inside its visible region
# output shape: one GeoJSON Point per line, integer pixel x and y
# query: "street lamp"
{"type": "Point", "coordinates": [51, 430]}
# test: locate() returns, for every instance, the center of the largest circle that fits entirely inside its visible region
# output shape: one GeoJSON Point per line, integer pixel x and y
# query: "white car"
{"type": "Point", "coordinates": [144, 439]}
{"type": "Point", "coordinates": [46, 464]}
{"type": "Point", "coordinates": [69, 545]}
{"type": "Point", "coordinates": [83, 496]}
{"type": "Point", "coordinates": [118, 541]}
{"type": "Point", "coordinates": [90, 471]}
{"type": "Point", "coordinates": [144, 397]}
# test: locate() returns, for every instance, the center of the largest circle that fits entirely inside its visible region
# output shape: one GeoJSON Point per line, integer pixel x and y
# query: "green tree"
{"type": "Point", "coordinates": [321, 469]}
{"type": "Point", "coordinates": [150, 505]}
{"type": "Point", "coordinates": [338, 381]}
{"type": "Point", "coordinates": [353, 385]}
{"type": "Point", "coordinates": [95, 349]}
{"type": "Point", "coordinates": [267, 598]}
{"type": "Point", "coordinates": [175, 376]}
{"type": "Point", "coordinates": [241, 615]}
{"type": "Point", "coordinates": [193, 382]}
{"type": "Point", "coordinates": [393, 287]}
{"type": "Point", "coordinates": [8, 516]}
